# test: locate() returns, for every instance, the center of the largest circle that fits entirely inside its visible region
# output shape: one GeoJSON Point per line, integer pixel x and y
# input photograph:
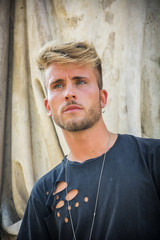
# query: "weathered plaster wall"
{"type": "Point", "coordinates": [127, 37]}
{"type": "Point", "coordinates": [4, 45]}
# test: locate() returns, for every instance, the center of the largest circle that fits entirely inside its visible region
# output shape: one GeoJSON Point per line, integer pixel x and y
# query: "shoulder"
{"type": "Point", "coordinates": [148, 144]}
{"type": "Point", "coordinates": [47, 183]}
{"type": "Point", "coordinates": [144, 151]}
{"type": "Point", "coordinates": [147, 150]}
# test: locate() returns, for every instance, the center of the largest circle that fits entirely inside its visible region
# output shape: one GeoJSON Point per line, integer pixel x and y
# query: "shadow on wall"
{"type": "Point", "coordinates": [3, 234]}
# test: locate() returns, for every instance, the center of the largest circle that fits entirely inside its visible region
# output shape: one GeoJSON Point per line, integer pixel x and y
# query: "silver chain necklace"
{"type": "Point", "coordinates": [98, 188]}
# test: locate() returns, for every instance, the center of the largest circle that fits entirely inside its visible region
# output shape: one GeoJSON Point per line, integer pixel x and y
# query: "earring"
{"type": "Point", "coordinates": [103, 110]}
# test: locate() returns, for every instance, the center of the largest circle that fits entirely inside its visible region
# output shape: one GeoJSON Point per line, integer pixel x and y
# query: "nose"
{"type": "Point", "coordinates": [69, 93]}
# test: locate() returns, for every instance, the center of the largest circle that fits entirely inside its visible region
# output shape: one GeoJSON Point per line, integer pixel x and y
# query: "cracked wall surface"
{"type": "Point", "coordinates": [126, 35]}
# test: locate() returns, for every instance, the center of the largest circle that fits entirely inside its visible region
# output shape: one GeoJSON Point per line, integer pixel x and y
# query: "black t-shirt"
{"type": "Point", "coordinates": [129, 199]}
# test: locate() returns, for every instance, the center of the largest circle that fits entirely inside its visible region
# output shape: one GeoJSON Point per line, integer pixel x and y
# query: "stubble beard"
{"type": "Point", "coordinates": [93, 115]}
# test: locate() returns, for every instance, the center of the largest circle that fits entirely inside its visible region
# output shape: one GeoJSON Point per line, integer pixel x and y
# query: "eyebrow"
{"type": "Point", "coordinates": [61, 80]}
{"type": "Point", "coordinates": [56, 81]}
{"type": "Point", "coordinates": [78, 77]}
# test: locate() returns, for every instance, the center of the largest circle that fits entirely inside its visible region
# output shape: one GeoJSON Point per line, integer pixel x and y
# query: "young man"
{"type": "Point", "coordinates": [108, 187]}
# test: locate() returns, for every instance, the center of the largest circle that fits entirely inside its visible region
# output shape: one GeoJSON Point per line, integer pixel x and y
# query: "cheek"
{"type": "Point", "coordinates": [90, 90]}
{"type": "Point", "coordinates": [53, 97]}
{"type": "Point", "coordinates": [93, 94]}
{"type": "Point", "coordinates": [55, 103]}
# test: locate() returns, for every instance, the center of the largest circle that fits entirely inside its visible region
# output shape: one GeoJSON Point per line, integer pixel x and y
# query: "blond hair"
{"type": "Point", "coordinates": [81, 53]}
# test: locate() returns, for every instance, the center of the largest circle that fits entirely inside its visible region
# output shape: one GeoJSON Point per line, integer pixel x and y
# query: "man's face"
{"type": "Point", "coordinates": [73, 97]}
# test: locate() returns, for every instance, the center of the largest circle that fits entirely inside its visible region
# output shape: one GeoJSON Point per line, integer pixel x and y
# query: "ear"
{"type": "Point", "coordinates": [46, 103]}
{"type": "Point", "coordinates": [103, 97]}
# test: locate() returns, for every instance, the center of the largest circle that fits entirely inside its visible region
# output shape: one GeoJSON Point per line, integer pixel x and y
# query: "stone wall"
{"type": "Point", "coordinates": [127, 37]}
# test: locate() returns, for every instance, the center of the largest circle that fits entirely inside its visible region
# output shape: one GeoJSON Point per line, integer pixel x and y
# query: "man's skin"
{"type": "Point", "coordinates": [75, 102]}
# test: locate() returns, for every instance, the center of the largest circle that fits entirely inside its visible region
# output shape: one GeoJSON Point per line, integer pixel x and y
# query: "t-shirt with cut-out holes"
{"type": "Point", "coordinates": [129, 199]}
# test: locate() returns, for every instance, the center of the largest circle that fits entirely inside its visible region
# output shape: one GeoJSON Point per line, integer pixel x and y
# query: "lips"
{"type": "Point", "coordinates": [72, 108]}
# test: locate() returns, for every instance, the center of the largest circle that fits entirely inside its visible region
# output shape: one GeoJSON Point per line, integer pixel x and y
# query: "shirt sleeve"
{"type": "Point", "coordinates": [33, 224]}
{"type": "Point", "coordinates": [155, 167]}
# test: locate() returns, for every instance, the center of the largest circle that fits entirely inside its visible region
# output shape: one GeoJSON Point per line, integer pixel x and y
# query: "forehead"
{"type": "Point", "coordinates": [55, 71]}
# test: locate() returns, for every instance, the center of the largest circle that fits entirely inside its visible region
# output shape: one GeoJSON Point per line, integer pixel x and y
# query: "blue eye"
{"type": "Point", "coordinates": [58, 86]}
{"type": "Point", "coordinates": [80, 82]}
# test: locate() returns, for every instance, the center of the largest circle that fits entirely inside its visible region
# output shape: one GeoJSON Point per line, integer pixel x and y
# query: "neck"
{"type": "Point", "coordinates": [88, 143]}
